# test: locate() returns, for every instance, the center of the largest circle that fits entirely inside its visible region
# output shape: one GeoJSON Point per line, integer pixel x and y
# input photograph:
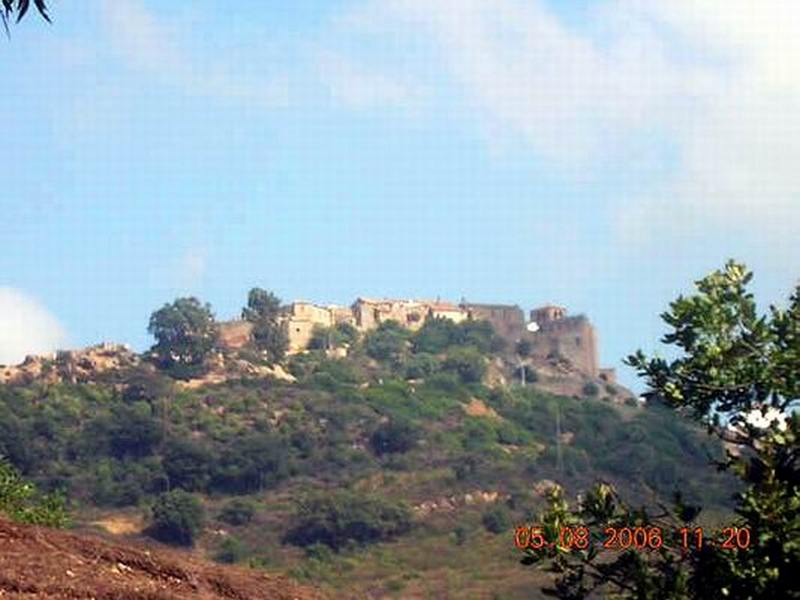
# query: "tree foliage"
{"type": "Point", "coordinates": [185, 333]}
{"type": "Point", "coordinates": [270, 335]}
{"type": "Point", "coordinates": [467, 362]}
{"type": "Point", "coordinates": [17, 9]}
{"type": "Point", "coordinates": [178, 518]}
{"type": "Point", "coordinates": [737, 372]}
{"type": "Point", "coordinates": [388, 342]}
{"type": "Point", "coordinates": [340, 518]}
{"type": "Point", "coordinates": [393, 437]}
{"type": "Point", "coordinates": [22, 502]}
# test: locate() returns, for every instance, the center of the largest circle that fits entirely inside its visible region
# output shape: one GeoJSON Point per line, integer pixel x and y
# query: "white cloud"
{"type": "Point", "coordinates": [26, 327]}
{"type": "Point", "coordinates": [152, 45]}
{"type": "Point", "coordinates": [718, 81]}
{"type": "Point", "coordinates": [358, 87]}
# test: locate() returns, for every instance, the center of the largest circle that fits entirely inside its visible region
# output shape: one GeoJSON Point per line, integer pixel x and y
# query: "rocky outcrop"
{"type": "Point", "coordinates": [71, 366]}
{"type": "Point", "coordinates": [451, 503]}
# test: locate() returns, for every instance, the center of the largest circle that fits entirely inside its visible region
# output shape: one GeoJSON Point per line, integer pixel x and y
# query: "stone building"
{"type": "Point", "coordinates": [559, 335]}
{"type": "Point", "coordinates": [303, 317]}
{"type": "Point", "coordinates": [446, 310]}
{"type": "Point", "coordinates": [508, 320]}
{"type": "Point", "coordinates": [370, 313]}
{"type": "Point", "coordinates": [554, 335]}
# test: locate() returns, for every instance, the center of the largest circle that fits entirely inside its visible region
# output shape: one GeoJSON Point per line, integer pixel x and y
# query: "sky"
{"type": "Point", "coordinates": [601, 155]}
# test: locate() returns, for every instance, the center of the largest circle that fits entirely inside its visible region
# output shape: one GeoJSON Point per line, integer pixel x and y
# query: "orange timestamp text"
{"type": "Point", "coordinates": [636, 538]}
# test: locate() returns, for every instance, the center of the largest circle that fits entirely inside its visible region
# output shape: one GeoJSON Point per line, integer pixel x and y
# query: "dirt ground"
{"type": "Point", "coordinates": [51, 564]}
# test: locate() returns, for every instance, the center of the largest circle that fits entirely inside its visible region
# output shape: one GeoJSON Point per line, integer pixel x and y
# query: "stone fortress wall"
{"type": "Point", "coordinates": [551, 332]}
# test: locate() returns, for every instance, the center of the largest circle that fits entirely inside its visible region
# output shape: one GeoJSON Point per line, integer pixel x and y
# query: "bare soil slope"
{"type": "Point", "coordinates": [44, 563]}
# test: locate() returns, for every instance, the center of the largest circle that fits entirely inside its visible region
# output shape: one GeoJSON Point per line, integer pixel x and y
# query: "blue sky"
{"type": "Point", "coordinates": [601, 155]}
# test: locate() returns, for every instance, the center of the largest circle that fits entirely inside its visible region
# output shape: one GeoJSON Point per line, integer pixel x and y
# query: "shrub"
{"type": "Point", "coordinates": [133, 431]}
{"type": "Point", "coordinates": [467, 362]}
{"type": "Point", "coordinates": [497, 520]}
{"type": "Point", "coordinates": [22, 502]}
{"type": "Point", "coordinates": [590, 389]}
{"type": "Point", "coordinates": [178, 517]}
{"type": "Point", "coordinates": [394, 436]}
{"type": "Point", "coordinates": [524, 348]}
{"type": "Point", "coordinates": [420, 366]}
{"type": "Point", "coordinates": [387, 342]}
{"type": "Point", "coordinates": [187, 464]}
{"type": "Point", "coordinates": [435, 336]}
{"type": "Point", "coordinates": [340, 518]}
{"type": "Point", "coordinates": [231, 551]}
{"type": "Point", "coordinates": [237, 512]}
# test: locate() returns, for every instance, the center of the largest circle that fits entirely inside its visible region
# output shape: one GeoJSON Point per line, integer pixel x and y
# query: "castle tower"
{"type": "Point", "coordinates": [548, 314]}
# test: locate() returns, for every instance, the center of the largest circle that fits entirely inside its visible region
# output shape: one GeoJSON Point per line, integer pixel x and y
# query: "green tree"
{"type": "Point", "coordinates": [251, 463]}
{"type": "Point", "coordinates": [387, 342]}
{"type": "Point", "coordinates": [178, 517]}
{"type": "Point", "coordinates": [737, 372]}
{"type": "Point", "coordinates": [185, 333]}
{"type": "Point", "coordinates": [231, 551]}
{"type": "Point", "coordinates": [436, 335]}
{"type": "Point", "coordinates": [339, 518]}
{"type": "Point", "coordinates": [270, 334]}
{"type": "Point", "coordinates": [238, 512]}
{"type": "Point", "coordinates": [467, 362]}
{"type": "Point", "coordinates": [22, 502]}
{"type": "Point", "coordinates": [497, 520]}
{"type": "Point", "coordinates": [187, 464]}
{"type": "Point", "coordinates": [325, 338]}
{"type": "Point", "coordinates": [393, 437]}
{"type": "Point", "coordinates": [133, 431]}
{"type": "Point", "coordinates": [420, 366]}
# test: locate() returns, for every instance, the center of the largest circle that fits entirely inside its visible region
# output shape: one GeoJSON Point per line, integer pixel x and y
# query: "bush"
{"type": "Point", "coordinates": [435, 336]}
{"type": "Point", "coordinates": [497, 520]}
{"type": "Point", "coordinates": [341, 518]}
{"type": "Point", "coordinates": [524, 348]}
{"type": "Point", "coordinates": [590, 389]}
{"type": "Point", "coordinates": [387, 342]}
{"type": "Point", "coordinates": [187, 464]}
{"type": "Point", "coordinates": [178, 517]}
{"type": "Point", "coordinates": [324, 338]}
{"type": "Point", "coordinates": [231, 551]}
{"type": "Point", "coordinates": [420, 366]}
{"type": "Point", "coordinates": [394, 436]}
{"type": "Point", "coordinates": [22, 502]}
{"type": "Point", "coordinates": [467, 362]}
{"type": "Point", "coordinates": [133, 431]}
{"type": "Point", "coordinates": [237, 512]}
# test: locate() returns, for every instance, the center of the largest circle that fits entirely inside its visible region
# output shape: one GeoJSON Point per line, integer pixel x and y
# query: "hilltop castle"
{"type": "Point", "coordinates": [549, 331]}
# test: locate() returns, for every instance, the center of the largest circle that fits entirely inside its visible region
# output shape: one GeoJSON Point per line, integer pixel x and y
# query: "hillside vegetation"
{"type": "Point", "coordinates": [396, 470]}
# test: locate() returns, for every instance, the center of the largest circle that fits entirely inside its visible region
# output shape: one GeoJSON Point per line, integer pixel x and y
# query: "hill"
{"type": "Point", "coordinates": [398, 470]}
